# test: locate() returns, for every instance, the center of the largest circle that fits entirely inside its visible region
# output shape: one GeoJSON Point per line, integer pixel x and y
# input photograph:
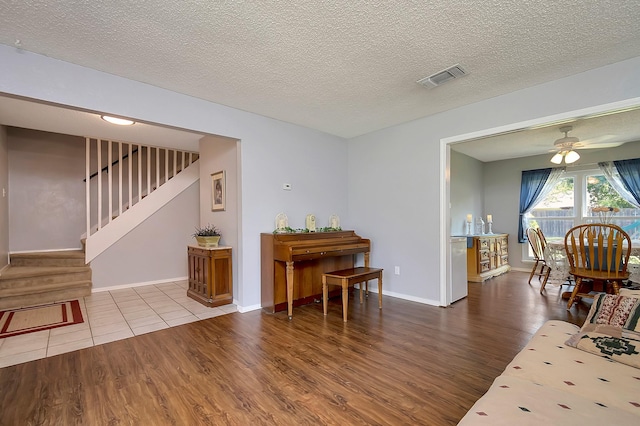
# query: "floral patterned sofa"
{"type": "Point", "coordinates": [568, 375]}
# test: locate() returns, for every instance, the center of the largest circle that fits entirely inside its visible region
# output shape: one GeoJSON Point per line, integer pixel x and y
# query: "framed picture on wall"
{"type": "Point", "coordinates": [218, 191]}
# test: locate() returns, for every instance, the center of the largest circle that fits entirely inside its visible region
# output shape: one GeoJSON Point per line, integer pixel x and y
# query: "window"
{"type": "Point", "coordinates": [600, 193]}
{"type": "Point", "coordinates": [556, 214]}
{"type": "Point", "coordinates": [571, 201]}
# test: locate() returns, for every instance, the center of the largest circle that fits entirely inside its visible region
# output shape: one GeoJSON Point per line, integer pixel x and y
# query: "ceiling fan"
{"type": "Point", "coordinates": [565, 146]}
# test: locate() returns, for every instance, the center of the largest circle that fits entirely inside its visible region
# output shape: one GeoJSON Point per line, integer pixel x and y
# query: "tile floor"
{"type": "Point", "coordinates": [110, 316]}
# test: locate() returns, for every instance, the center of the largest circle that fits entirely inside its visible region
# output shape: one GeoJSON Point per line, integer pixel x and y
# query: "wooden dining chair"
{"type": "Point", "coordinates": [536, 241]}
{"type": "Point", "coordinates": [598, 253]}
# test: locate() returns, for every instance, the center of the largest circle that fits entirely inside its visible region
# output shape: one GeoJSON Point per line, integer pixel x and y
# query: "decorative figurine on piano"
{"type": "Point", "coordinates": [311, 223]}
{"type": "Point", "coordinates": [334, 221]}
{"type": "Point", "coordinates": [282, 223]}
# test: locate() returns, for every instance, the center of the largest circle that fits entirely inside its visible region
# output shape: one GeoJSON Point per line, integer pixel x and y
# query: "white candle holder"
{"type": "Point", "coordinates": [490, 230]}
{"type": "Point", "coordinates": [468, 228]}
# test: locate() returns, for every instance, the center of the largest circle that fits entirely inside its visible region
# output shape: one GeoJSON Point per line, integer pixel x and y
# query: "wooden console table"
{"type": "Point", "coordinates": [487, 256]}
{"type": "Point", "coordinates": [210, 275]}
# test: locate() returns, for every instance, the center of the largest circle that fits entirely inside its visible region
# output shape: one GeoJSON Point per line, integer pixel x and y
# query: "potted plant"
{"type": "Point", "coordinates": [207, 236]}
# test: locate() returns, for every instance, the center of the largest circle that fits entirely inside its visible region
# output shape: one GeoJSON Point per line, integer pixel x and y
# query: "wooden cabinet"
{"type": "Point", "coordinates": [210, 278]}
{"type": "Point", "coordinates": [487, 256]}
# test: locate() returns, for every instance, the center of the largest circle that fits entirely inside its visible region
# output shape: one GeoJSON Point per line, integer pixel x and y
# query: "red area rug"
{"type": "Point", "coordinates": [37, 318]}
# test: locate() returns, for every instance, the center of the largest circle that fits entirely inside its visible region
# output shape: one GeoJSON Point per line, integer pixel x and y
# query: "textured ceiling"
{"type": "Point", "coordinates": [342, 67]}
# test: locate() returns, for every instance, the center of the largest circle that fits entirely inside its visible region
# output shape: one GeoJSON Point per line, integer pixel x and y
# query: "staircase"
{"type": "Point", "coordinates": [127, 183]}
{"type": "Point", "coordinates": [46, 277]}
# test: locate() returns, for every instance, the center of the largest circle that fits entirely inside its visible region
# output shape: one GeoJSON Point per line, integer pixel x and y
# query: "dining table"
{"type": "Point", "coordinates": [560, 265]}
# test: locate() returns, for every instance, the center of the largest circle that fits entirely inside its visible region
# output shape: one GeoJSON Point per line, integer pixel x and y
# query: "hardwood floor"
{"type": "Point", "coordinates": [407, 364]}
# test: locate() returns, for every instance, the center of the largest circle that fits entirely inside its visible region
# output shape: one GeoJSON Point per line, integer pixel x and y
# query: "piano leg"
{"type": "Point", "coordinates": [325, 294]}
{"type": "Point", "coordinates": [290, 289]}
{"type": "Point", "coordinates": [380, 291]}
{"type": "Point", "coordinates": [345, 298]}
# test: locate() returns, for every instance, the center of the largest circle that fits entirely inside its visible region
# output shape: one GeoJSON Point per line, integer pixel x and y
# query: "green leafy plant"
{"type": "Point", "coordinates": [207, 231]}
{"type": "Point", "coordinates": [289, 230]}
{"type": "Point", "coordinates": [329, 229]}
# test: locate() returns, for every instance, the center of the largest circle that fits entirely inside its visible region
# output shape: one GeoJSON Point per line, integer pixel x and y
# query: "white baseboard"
{"type": "Point", "coordinates": [373, 288]}
{"type": "Point", "coordinates": [44, 251]}
{"type": "Point", "coordinates": [131, 285]}
{"type": "Point", "coordinates": [243, 309]}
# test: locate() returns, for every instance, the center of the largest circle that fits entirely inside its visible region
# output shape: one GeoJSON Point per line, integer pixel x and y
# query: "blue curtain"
{"type": "Point", "coordinates": [629, 171]}
{"type": "Point", "coordinates": [531, 186]}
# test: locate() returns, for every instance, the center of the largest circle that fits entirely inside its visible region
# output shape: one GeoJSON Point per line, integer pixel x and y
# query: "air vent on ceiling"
{"type": "Point", "coordinates": [441, 77]}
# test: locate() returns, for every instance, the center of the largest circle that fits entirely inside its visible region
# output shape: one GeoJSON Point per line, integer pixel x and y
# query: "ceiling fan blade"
{"type": "Point", "coordinates": [598, 145]}
{"type": "Point", "coordinates": [597, 140]}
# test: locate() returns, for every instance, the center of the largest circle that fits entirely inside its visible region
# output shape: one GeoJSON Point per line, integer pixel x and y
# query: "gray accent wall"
{"type": "Point", "coordinates": [218, 154]}
{"type": "Point", "coordinates": [467, 191]}
{"type": "Point", "coordinates": [4, 199]}
{"type": "Point", "coordinates": [47, 192]}
{"type": "Point", "coordinates": [155, 250]}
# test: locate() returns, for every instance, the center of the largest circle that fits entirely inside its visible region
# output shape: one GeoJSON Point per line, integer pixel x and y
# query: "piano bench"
{"type": "Point", "coordinates": [346, 278]}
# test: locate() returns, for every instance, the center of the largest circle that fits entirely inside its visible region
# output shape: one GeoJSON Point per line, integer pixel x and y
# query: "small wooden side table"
{"type": "Point", "coordinates": [210, 275]}
{"type": "Point", "coordinates": [347, 277]}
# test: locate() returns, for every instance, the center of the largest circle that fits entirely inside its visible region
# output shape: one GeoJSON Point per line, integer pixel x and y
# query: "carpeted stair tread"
{"type": "Point", "coordinates": [59, 294]}
{"type": "Point", "coordinates": [44, 277]}
{"type": "Point", "coordinates": [49, 258]}
{"type": "Point", "coordinates": [45, 288]}
{"type": "Point", "coordinates": [51, 254]}
{"type": "Point", "coordinates": [13, 272]}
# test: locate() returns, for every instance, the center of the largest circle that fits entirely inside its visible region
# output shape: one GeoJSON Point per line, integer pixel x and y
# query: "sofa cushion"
{"type": "Point", "coordinates": [620, 349]}
{"type": "Point", "coordinates": [614, 315]}
{"type": "Point", "coordinates": [549, 383]}
{"type": "Point", "coordinates": [611, 329]}
{"type": "Point", "coordinates": [514, 401]}
{"type": "Point", "coordinates": [548, 362]}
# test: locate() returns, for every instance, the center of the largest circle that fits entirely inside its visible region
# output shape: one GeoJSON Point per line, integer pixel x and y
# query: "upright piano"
{"type": "Point", "coordinates": [292, 265]}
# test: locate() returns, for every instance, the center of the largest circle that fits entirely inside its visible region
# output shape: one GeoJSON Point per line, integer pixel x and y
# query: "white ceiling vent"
{"type": "Point", "coordinates": [443, 76]}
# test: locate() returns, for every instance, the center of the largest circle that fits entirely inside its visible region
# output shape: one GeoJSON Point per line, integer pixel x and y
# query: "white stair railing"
{"type": "Point", "coordinates": [120, 174]}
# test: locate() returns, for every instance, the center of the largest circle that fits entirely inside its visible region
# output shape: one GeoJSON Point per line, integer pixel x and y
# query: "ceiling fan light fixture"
{"type": "Point", "coordinates": [571, 157]}
{"type": "Point", "coordinates": [565, 147]}
{"type": "Point", "coordinates": [118, 121]}
{"type": "Point", "coordinates": [557, 159]}
{"type": "Point", "coordinates": [567, 141]}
